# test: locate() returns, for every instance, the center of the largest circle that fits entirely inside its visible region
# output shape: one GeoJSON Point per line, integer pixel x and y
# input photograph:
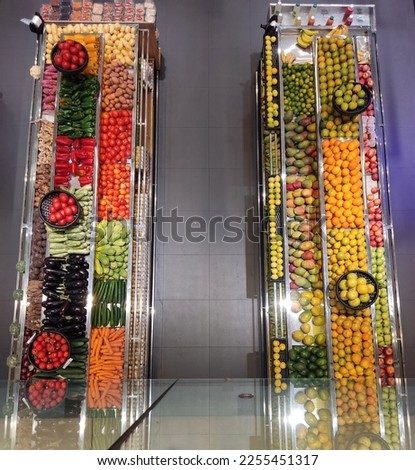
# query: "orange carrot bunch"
{"type": "Point", "coordinates": [106, 368]}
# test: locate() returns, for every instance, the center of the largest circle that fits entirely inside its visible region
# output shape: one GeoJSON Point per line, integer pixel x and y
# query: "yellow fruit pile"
{"type": "Point", "coordinates": [357, 408]}
{"type": "Point", "coordinates": [346, 250]}
{"type": "Point", "coordinates": [276, 257]}
{"type": "Point", "coordinates": [336, 66]}
{"type": "Point", "coordinates": [309, 305]}
{"type": "Point", "coordinates": [352, 346]}
{"type": "Point", "coordinates": [355, 290]}
{"type": "Point", "coordinates": [271, 82]}
{"type": "Point", "coordinates": [316, 431]}
{"type": "Point", "coordinates": [278, 365]}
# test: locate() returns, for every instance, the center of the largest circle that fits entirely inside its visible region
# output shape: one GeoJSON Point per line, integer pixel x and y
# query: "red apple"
{"type": "Point", "coordinates": [389, 360]}
{"type": "Point", "coordinates": [390, 370]}
{"type": "Point", "coordinates": [390, 381]}
{"type": "Point", "coordinates": [388, 351]}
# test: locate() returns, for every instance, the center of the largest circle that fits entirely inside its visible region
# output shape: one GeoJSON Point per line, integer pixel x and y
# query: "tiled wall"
{"type": "Point", "coordinates": [207, 319]}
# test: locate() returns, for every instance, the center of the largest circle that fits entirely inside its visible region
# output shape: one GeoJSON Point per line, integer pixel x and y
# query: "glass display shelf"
{"type": "Point", "coordinates": [194, 414]}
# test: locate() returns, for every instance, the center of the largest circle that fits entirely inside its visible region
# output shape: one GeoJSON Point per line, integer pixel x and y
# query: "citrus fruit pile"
{"type": "Point", "coordinates": [343, 184]}
{"type": "Point", "coordinates": [352, 346]}
{"type": "Point", "coordinates": [356, 290]}
{"type": "Point", "coordinates": [350, 97]}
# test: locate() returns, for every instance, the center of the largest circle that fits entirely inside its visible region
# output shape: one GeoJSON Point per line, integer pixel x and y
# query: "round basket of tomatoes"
{"type": "Point", "coordinates": [59, 209]}
{"type": "Point", "coordinates": [44, 395]}
{"type": "Point", "coordinates": [69, 57]}
{"type": "Point", "coordinates": [49, 350]}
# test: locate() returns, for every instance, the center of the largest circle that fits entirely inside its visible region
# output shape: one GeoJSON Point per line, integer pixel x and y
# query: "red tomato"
{"type": "Point", "coordinates": [68, 210]}
{"type": "Point", "coordinates": [71, 201]}
{"type": "Point", "coordinates": [73, 50]}
{"type": "Point", "coordinates": [66, 65]}
{"type": "Point", "coordinates": [81, 61]}
{"type": "Point", "coordinates": [69, 218]}
{"type": "Point", "coordinates": [66, 55]}
{"type": "Point", "coordinates": [78, 46]}
{"type": "Point", "coordinates": [57, 206]}
{"type": "Point", "coordinates": [58, 60]}
{"type": "Point", "coordinates": [70, 42]}
{"type": "Point", "coordinates": [62, 222]}
{"type": "Point", "coordinates": [63, 197]}
{"type": "Point", "coordinates": [52, 218]}
{"type": "Point", "coordinates": [74, 209]}
{"type": "Point", "coordinates": [73, 66]}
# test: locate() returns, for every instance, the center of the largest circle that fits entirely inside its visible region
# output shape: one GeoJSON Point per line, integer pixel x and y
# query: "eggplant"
{"type": "Point", "coordinates": [75, 328]}
{"type": "Point", "coordinates": [54, 263]}
{"type": "Point", "coordinates": [76, 276]}
{"type": "Point", "coordinates": [50, 285]}
{"type": "Point", "coordinates": [52, 312]}
{"type": "Point", "coordinates": [58, 272]}
{"type": "Point", "coordinates": [76, 284]}
{"type": "Point", "coordinates": [77, 310]}
{"type": "Point", "coordinates": [76, 292]}
{"type": "Point", "coordinates": [53, 303]}
{"type": "Point", "coordinates": [50, 294]}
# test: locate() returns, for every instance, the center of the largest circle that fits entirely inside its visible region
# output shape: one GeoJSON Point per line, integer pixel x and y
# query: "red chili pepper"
{"type": "Point", "coordinates": [84, 180]}
{"type": "Point", "coordinates": [73, 168]}
{"type": "Point", "coordinates": [60, 180]}
{"type": "Point", "coordinates": [88, 141]}
{"type": "Point", "coordinates": [88, 161]}
{"type": "Point", "coordinates": [79, 154]}
{"type": "Point", "coordinates": [88, 148]}
{"type": "Point", "coordinates": [61, 159]}
{"type": "Point", "coordinates": [76, 144]}
{"type": "Point", "coordinates": [63, 140]}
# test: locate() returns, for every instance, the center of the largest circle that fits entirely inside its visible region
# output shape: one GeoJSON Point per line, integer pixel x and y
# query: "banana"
{"type": "Point", "coordinates": [341, 30]}
{"type": "Point", "coordinates": [310, 32]}
{"type": "Point", "coordinates": [304, 44]}
{"type": "Point", "coordinates": [283, 57]}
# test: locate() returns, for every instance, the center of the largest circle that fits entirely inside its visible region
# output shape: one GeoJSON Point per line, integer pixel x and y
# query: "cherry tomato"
{"type": "Point", "coordinates": [58, 60]}
{"type": "Point", "coordinates": [63, 197]}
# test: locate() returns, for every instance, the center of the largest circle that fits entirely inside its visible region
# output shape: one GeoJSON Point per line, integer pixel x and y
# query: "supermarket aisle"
{"type": "Point", "coordinates": [207, 291]}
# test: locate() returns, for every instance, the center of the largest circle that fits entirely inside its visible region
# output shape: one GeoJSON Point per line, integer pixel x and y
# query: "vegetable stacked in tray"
{"type": "Point", "coordinates": [65, 273]}
{"type": "Point", "coordinates": [112, 239]}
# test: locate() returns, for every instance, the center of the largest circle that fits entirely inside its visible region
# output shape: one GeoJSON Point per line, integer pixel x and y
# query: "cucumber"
{"type": "Point", "coordinates": [76, 365]}
{"type": "Point", "coordinates": [78, 342]}
{"type": "Point", "coordinates": [71, 373]}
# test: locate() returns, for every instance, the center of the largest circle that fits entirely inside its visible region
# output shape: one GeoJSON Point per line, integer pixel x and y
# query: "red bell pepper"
{"type": "Point", "coordinates": [63, 140]}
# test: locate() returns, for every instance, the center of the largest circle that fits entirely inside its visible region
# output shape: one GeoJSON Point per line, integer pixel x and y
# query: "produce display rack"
{"type": "Point", "coordinates": [334, 372]}
{"type": "Point", "coordinates": [94, 424]}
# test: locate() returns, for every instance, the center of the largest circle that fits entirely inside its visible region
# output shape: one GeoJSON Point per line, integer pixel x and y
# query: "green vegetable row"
{"type": "Point", "coordinates": [108, 307]}
{"type": "Point", "coordinates": [111, 252]}
{"type": "Point", "coordinates": [77, 106]}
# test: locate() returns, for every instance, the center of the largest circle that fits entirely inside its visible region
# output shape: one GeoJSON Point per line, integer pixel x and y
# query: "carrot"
{"type": "Point", "coordinates": [106, 367]}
